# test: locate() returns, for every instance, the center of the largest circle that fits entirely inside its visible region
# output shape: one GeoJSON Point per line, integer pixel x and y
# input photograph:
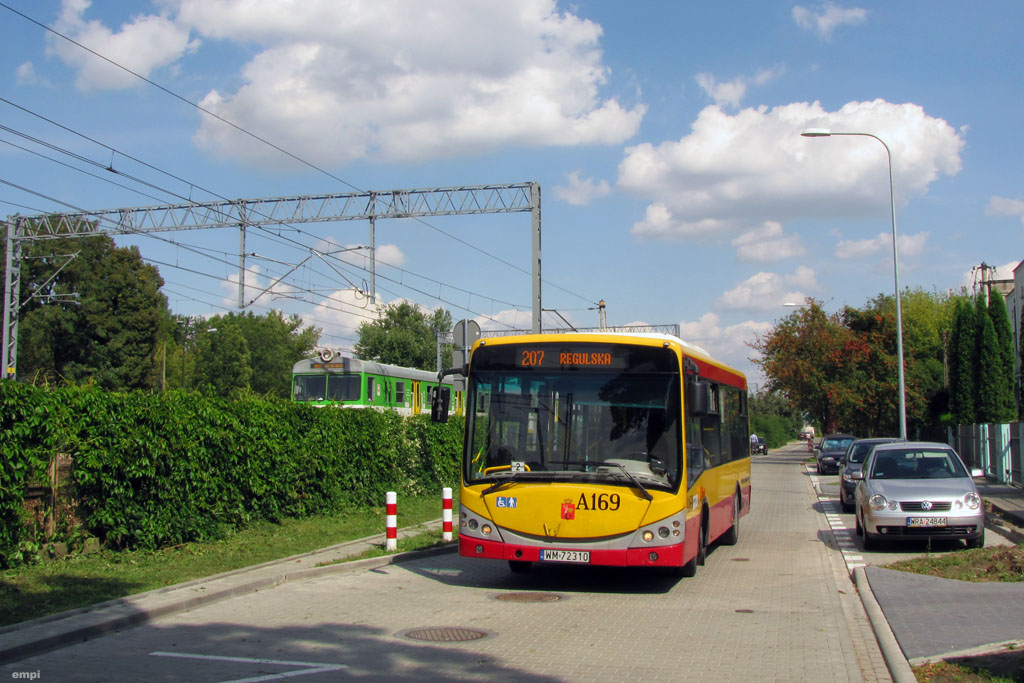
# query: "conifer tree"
{"type": "Point", "coordinates": [1004, 342]}
{"type": "Point", "coordinates": [989, 380]}
{"type": "Point", "coordinates": [961, 364]}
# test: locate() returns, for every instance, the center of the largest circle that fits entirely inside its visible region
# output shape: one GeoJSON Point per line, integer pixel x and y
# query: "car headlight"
{"type": "Point", "coordinates": [877, 502]}
{"type": "Point", "coordinates": [972, 500]}
{"type": "Point", "coordinates": [847, 477]}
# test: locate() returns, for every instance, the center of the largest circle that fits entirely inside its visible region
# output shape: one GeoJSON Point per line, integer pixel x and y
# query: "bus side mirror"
{"type": "Point", "coordinates": [440, 402]}
{"type": "Point", "coordinates": [698, 396]}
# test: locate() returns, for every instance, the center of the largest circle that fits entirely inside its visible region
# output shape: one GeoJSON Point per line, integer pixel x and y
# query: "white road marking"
{"type": "Point", "coordinates": [843, 535]}
{"type": "Point", "coordinates": [310, 667]}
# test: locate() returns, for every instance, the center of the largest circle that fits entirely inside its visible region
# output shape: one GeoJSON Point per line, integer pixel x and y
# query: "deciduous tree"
{"type": "Point", "coordinates": [95, 317]}
{"type": "Point", "coordinates": [405, 335]}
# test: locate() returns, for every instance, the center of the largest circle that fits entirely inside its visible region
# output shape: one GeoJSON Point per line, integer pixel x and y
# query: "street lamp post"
{"type": "Point", "coordinates": [824, 133]}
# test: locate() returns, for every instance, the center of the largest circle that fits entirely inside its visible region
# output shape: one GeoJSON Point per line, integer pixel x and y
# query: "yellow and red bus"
{"type": "Point", "coordinates": [602, 449]}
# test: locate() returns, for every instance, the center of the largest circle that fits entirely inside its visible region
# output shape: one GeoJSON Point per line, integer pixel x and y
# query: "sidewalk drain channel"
{"type": "Point", "coordinates": [445, 634]}
{"type": "Point", "coordinates": [528, 597]}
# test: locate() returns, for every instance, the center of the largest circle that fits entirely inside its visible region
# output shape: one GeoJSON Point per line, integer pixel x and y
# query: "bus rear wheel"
{"type": "Point", "coordinates": [732, 536]}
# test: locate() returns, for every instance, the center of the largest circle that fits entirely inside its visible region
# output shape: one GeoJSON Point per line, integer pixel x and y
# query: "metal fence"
{"type": "Point", "coordinates": [995, 448]}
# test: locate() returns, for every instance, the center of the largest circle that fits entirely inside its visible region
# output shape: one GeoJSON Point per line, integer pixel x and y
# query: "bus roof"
{"type": "Point", "coordinates": [646, 338]}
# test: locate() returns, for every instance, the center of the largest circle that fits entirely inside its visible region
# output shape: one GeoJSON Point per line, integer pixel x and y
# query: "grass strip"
{"type": "Point", "coordinates": [38, 590]}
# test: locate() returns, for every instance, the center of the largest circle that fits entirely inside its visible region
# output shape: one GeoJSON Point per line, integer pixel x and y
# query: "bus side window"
{"type": "Point", "coordinates": [369, 389]}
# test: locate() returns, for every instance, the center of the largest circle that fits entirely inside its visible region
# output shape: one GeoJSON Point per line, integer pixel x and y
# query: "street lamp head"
{"type": "Point", "coordinates": [816, 133]}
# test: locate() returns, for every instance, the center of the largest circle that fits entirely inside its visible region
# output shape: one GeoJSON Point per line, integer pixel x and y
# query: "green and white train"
{"type": "Point", "coordinates": [334, 380]}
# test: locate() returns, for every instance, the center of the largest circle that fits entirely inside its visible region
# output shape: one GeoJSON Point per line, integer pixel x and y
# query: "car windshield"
{"type": "Point", "coordinates": [913, 463]}
{"type": "Point", "coordinates": [836, 444]}
{"type": "Point", "coordinates": [858, 451]}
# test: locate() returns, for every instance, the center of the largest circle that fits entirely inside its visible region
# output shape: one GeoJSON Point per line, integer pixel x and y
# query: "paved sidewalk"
{"type": "Point", "coordinates": [934, 618]}
{"type": "Point", "coordinates": [1007, 501]}
{"type": "Point", "coordinates": [37, 636]}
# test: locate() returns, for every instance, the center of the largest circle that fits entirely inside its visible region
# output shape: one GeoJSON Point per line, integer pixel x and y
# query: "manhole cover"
{"type": "Point", "coordinates": [529, 597]}
{"type": "Point", "coordinates": [445, 634]}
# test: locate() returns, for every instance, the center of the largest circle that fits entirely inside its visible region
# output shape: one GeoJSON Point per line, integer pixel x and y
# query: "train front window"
{"type": "Point", "coordinates": [343, 387]}
{"type": "Point", "coordinates": [309, 387]}
{"type": "Point", "coordinates": [590, 424]}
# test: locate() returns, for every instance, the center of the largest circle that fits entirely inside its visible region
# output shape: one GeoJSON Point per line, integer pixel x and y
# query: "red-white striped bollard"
{"type": "Point", "coordinates": [391, 509]}
{"type": "Point", "coordinates": [446, 514]}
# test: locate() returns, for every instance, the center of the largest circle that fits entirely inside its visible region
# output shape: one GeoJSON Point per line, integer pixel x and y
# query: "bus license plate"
{"type": "Point", "coordinates": [565, 556]}
{"type": "Point", "coordinates": [926, 521]}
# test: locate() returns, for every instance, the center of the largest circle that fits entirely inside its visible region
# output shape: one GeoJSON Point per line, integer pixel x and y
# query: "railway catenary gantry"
{"type": "Point", "coordinates": [241, 213]}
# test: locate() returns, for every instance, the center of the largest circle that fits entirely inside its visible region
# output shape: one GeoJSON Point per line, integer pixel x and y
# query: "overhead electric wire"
{"type": "Point", "coordinates": [193, 185]}
{"type": "Point", "coordinates": [265, 141]}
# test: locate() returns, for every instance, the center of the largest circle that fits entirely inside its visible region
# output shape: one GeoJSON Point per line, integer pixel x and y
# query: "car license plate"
{"type": "Point", "coordinates": [582, 556]}
{"type": "Point", "coordinates": [926, 521]}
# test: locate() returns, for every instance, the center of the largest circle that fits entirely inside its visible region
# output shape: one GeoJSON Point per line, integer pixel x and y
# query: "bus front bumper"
{"type": "Point", "coordinates": [654, 556]}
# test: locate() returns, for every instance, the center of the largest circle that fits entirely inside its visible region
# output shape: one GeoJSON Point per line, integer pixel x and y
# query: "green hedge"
{"type": "Point", "coordinates": [150, 470]}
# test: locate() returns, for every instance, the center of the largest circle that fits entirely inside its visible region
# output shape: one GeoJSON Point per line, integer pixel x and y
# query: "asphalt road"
{"type": "Point", "coordinates": [779, 605]}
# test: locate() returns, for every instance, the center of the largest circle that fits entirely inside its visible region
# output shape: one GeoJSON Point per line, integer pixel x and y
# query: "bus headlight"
{"type": "Point", "coordinates": [663, 531]}
{"type": "Point", "coordinates": [648, 536]}
{"type": "Point", "coordinates": [473, 524]}
{"type": "Point", "coordinates": [486, 529]}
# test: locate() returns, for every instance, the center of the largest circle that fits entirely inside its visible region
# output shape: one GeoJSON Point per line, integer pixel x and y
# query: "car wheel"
{"type": "Point", "coordinates": [858, 529]}
{"type": "Point", "coordinates": [847, 506]}
{"type": "Point", "coordinates": [978, 542]}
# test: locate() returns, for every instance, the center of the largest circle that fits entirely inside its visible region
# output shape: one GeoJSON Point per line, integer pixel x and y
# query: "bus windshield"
{"type": "Point", "coordinates": [593, 424]}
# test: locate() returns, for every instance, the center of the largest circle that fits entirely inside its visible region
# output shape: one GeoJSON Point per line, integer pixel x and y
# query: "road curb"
{"type": "Point", "coordinates": [897, 662]}
{"type": "Point", "coordinates": [55, 631]}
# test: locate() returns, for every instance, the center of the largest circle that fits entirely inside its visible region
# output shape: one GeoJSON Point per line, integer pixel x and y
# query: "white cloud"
{"type": "Point", "coordinates": [732, 172]}
{"type": "Point", "coordinates": [581, 191]}
{"type": "Point", "coordinates": [390, 255]}
{"type": "Point", "coordinates": [1003, 206]}
{"type": "Point", "coordinates": [910, 245]}
{"type": "Point", "coordinates": [337, 81]}
{"type": "Point", "coordinates": [769, 291]}
{"type": "Point", "coordinates": [727, 343]}
{"type": "Point", "coordinates": [731, 93]}
{"type": "Point", "coordinates": [342, 312]}
{"type": "Point", "coordinates": [828, 17]}
{"type": "Point", "coordinates": [26, 74]}
{"type": "Point", "coordinates": [143, 45]}
{"type": "Point", "coordinates": [972, 278]}
{"type": "Point", "coordinates": [767, 243]}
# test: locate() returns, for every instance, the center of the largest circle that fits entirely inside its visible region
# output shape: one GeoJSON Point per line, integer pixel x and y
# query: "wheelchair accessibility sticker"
{"type": "Point", "coordinates": [505, 501]}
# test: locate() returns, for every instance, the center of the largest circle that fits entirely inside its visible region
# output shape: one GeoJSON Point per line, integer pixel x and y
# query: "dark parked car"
{"type": "Point", "coordinates": [917, 490]}
{"type": "Point", "coordinates": [852, 462]}
{"type": "Point", "coordinates": [831, 450]}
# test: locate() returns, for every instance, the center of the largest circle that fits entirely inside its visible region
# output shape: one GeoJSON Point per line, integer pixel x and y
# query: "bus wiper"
{"type": "Point", "coordinates": [636, 482]}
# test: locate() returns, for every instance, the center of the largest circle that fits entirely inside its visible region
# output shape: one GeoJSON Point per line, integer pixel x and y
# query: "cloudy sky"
{"type": "Point", "coordinates": [665, 136]}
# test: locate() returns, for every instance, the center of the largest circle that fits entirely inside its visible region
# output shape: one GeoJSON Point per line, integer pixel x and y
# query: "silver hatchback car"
{"type": "Point", "coordinates": [917, 490]}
